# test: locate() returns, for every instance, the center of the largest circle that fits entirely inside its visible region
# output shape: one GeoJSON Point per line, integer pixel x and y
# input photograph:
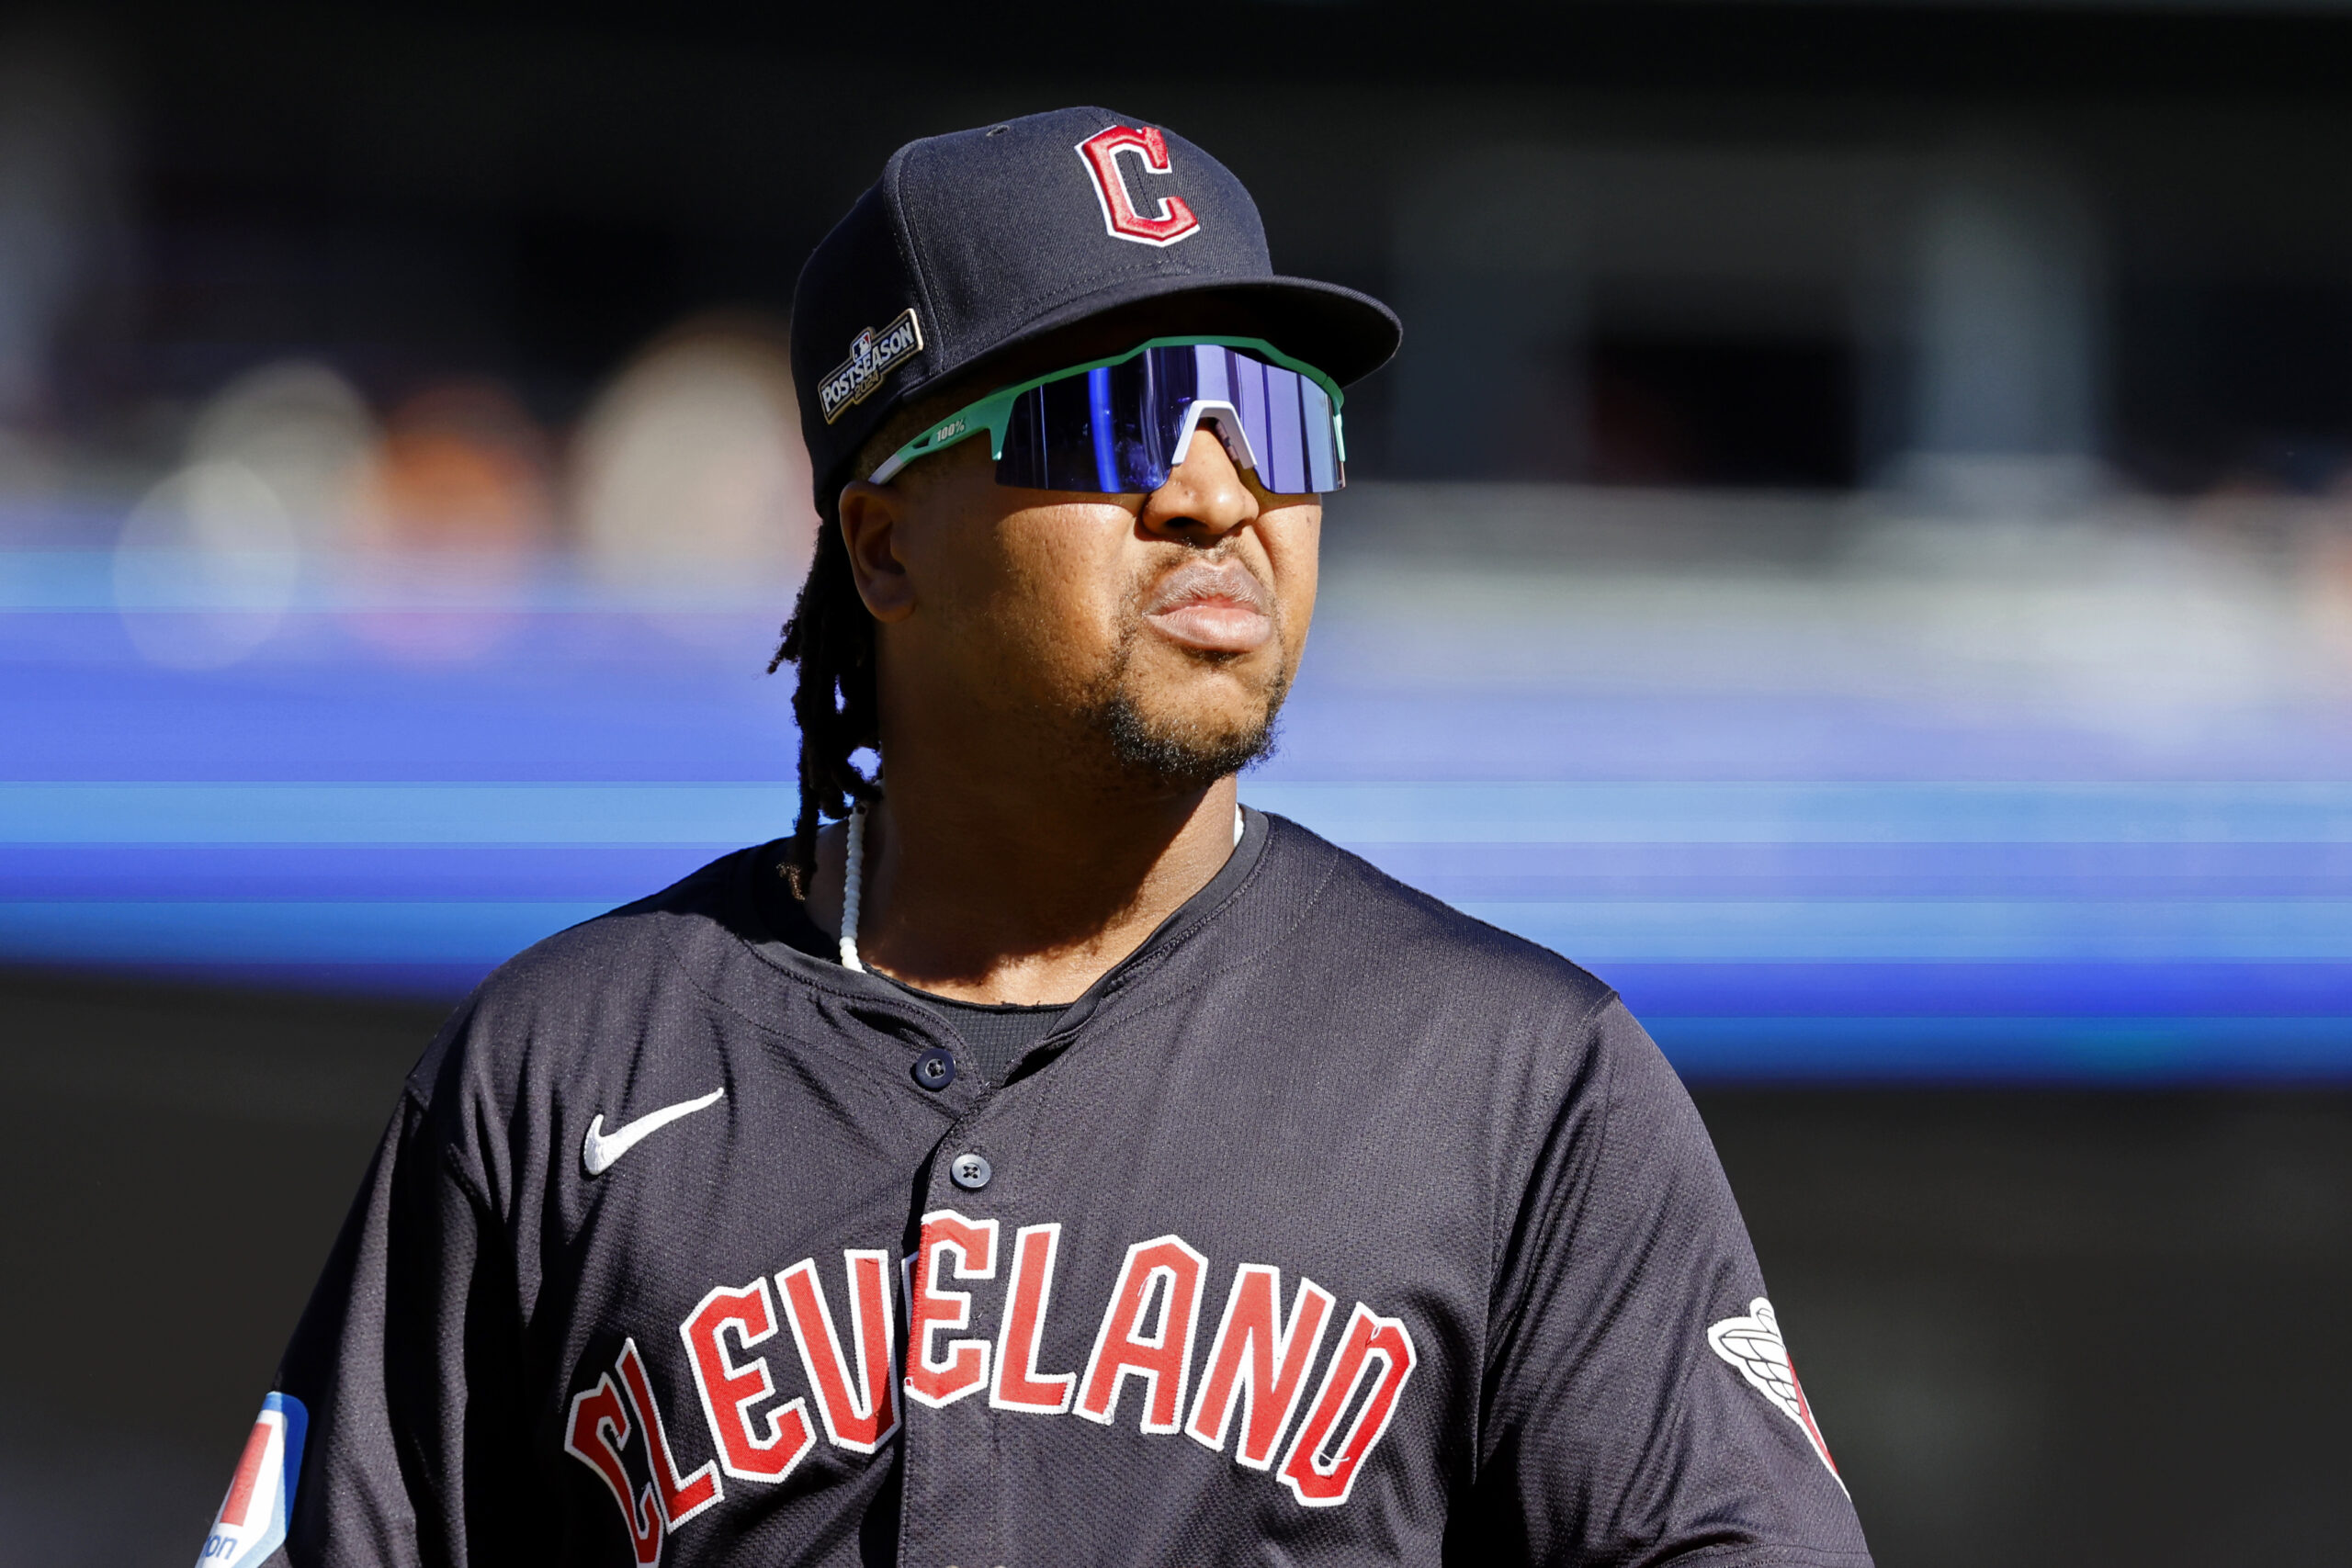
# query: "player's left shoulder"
{"type": "Point", "coordinates": [1362, 919]}
{"type": "Point", "coordinates": [1373, 978]}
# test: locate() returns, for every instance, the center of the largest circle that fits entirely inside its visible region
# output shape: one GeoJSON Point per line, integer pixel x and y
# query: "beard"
{"type": "Point", "coordinates": [1178, 752]}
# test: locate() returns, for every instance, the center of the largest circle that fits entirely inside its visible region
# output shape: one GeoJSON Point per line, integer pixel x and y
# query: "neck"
{"type": "Point", "coordinates": [1022, 892]}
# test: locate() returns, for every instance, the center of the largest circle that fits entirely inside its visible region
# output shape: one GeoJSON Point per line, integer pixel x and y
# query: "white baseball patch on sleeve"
{"type": "Point", "coordinates": [1753, 1344]}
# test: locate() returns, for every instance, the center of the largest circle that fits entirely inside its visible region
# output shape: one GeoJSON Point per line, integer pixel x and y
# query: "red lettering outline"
{"type": "Point", "coordinates": [1320, 1484]}
{"type": "Point", "coordinates": [859, 1425]}
{"type": "Point", "coordinates": [934, 1380]}
{"type": "Point", "coordinates": [598, 1418]}
{"type": "Point", "coordinates": [1260, 1362]}
{"type": "Point", "coordinates": [681, 1500]}
{"type": "Point", "coordinates": [1019, 1384]}
{"type": "Point", "coordinates": [1164, 1357]}
{"type": "Point", "coordinates": [722, 1384]}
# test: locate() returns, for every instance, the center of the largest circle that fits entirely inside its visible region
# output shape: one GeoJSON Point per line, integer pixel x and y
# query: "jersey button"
{"type": "Point", "coordinates": [935, 1068]}
{"type": "Point", "coordinates": [969, 1172]}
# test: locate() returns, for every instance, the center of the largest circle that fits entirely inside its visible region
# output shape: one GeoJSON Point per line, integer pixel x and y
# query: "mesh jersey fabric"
{"type": "Point", "coordinates": [1321, 1085]}
{"type": "Point", "coordinates": [995, 1036]}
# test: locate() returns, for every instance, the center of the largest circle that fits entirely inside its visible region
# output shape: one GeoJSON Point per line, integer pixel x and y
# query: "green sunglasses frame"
{"type": "Point", "coordinates": [993, 413]}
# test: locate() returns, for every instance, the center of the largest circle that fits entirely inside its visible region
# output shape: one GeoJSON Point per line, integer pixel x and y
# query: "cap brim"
{"type": "Point", "coordinates": [1345, 335]}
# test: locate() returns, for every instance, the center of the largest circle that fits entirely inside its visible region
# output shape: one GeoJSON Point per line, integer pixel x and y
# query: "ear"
{"type": "Point", "coordinates": [870, 517]}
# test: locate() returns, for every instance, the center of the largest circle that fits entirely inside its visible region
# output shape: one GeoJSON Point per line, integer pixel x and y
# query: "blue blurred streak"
{"type": "Point", "coordinates": [2143, 1051]}
{"type": "Point", "coordinates": [1665, 812]}
{"type": "Point", "coordinates": [2038, 988]}
{"type": "Point", "coordinates": [1804, 879]}
{"type": "Point", "coordinates": [1795, 813]}
{"type": "Point", "coordinates": [439, 931]}
{"type": "Point", "coordinates": [391, 814]}
{"type": "Point", "coordinates": [556, 872]}
{"type": "Point", "coordinates": [1978, 930]}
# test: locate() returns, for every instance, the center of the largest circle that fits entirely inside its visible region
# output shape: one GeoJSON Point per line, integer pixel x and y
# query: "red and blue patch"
{"type": "Point", "coordinates": [251, 1521]}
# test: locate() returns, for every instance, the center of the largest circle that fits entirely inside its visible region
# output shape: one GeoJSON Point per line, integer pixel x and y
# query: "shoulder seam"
{"type": "Point", "coordinates": [1160, 960]}
{"type": "Point", "coordinates": [447, 1152]}
{"type": "Point", "coordinates": [1495, 1243]}
{"type": "Point", "coordinates": [1508, 1209]}
{"type": "Point", "coordinates": [1432, 908]}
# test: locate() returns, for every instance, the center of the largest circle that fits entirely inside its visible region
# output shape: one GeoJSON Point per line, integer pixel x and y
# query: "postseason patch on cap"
{"type": "Point", "coordinates": [251, 1521]}
{"type": "Point", "coordinates": [873, 354]}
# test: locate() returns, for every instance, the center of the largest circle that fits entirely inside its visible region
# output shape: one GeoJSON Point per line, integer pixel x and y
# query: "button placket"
{"type": "Point", "coordinates": [946, 1457]}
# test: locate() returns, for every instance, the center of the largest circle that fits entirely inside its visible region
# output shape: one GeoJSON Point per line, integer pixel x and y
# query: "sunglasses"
{"type": "Point", "coordinates": [1120, 426]}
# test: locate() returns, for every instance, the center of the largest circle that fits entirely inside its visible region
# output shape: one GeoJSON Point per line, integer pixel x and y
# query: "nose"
{"type": "Point", "coordinates": [1205, 497]}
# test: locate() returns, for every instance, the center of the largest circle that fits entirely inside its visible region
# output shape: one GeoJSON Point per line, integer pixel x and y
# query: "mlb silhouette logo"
{"type": "Point", "coordinates": [251, 1521]}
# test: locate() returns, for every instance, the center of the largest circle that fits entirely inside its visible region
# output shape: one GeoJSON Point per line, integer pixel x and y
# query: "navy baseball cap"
{"type": "Point", "coordinates": [977, 243]}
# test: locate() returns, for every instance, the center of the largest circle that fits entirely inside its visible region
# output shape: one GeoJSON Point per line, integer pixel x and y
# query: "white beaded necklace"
{"type": "Point", "coordinates": [854, 891]}
{"type": "Point", "coordinates": [854, 884]}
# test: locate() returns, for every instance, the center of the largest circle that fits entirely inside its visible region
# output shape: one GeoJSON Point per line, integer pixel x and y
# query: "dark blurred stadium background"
{"type": "Point", "coordinates": [1856, 549]}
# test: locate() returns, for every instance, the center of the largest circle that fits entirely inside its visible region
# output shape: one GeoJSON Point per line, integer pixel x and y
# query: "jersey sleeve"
{"type": "Point", "coordinates": [1639, 1404]}
{"type": "Point", "coordinates": [390, 1433]}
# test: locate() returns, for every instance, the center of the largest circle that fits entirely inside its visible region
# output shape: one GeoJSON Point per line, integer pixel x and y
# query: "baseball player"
{"type": "Point", "coordinates": [1049, 1161]}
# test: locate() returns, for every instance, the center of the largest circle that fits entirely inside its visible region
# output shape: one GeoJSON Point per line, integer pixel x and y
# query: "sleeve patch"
{"type": "Point", "coordinates": [1753, 1345]}
{"type": "Point", "coordinates": [251, 1521]}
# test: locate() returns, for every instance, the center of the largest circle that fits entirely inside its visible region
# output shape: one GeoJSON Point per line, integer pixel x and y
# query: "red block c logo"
{"type": "Point", "coordinates": [1121, 216]}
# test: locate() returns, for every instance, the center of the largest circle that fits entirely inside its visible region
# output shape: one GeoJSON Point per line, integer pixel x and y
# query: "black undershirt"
{"type": "Point", "coordinates": [999, 1034]}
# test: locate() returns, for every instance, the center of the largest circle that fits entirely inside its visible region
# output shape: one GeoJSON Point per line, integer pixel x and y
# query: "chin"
{"type": "Point", "coordinates": [1187, 745]}
{"type": "Point", "coordinates": [1176, 720]}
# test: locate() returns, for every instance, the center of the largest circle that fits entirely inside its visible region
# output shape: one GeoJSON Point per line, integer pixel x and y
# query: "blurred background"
{"type": "Point", "coordinates": [1857, 549]}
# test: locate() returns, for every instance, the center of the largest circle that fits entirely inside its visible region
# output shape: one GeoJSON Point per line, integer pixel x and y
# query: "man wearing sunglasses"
{"type": "Point", "coordinates": [1050, 1161]}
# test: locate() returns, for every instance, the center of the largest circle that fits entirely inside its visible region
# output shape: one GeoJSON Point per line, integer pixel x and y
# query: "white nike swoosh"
{"type": "Point", "coordinates": [599, 1151]}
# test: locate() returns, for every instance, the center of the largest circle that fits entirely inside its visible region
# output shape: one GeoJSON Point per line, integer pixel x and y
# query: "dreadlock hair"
{"type": "Point", "coordinates": [836, 704]}
{"type": "Point", "coordinates": [831, 635]}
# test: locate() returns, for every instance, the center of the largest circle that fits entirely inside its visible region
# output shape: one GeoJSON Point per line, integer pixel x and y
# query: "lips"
{"type": "Point", "coordinates": [1212, 608]}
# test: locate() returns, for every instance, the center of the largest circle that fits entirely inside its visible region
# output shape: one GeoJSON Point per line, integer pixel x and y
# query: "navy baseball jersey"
{"type": "Point", "coordinates": [1331, 1226]}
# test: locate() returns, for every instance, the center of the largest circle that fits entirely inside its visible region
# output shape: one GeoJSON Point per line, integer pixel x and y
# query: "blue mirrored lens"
{"type": "Point", "coordinates": [1115, 430]}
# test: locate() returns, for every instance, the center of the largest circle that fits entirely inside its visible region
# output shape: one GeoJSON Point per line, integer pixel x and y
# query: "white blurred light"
{"type": "Point", "coordinates": [206, 567]}
{"type": "Point", "coordinates": [299, 428]}
{"type": "Point", "coordinates": [689, 482]}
